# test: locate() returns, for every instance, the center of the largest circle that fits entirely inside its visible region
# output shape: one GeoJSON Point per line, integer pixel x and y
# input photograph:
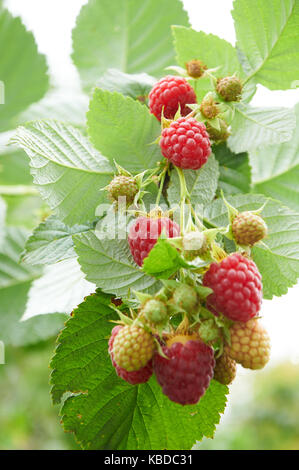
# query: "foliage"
{"type": "Point", "coordinates": [121, 48]}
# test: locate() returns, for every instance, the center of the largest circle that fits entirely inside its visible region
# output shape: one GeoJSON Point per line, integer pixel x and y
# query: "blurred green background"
{"type": "Point", "coordinates": [28, 418]}
{"type": "Point", "coordinates": [263, 412]}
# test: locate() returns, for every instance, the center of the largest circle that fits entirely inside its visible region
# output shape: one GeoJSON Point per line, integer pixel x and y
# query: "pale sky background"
{"type": "Point", "coordinates": [52, 22]}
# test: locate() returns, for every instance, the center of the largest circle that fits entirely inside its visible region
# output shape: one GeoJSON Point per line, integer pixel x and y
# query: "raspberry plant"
{"type": "Point", "coordinates": [188, 167]}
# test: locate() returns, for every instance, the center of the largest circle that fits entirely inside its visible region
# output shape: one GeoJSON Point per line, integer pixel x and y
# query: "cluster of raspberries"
{"type": "Point", "coordinates": [184, 361]}
{"type": "Point", "coordinates": [183, 364]}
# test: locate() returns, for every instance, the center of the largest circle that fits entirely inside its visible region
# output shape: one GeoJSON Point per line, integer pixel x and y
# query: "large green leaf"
{"type": "Point", "coordinates": [275, 170]}
{"type": "Point", "coordinates": [24, 205]}
{"type": "Point", "coordinates": [67, 170]}
{"type": "Point", "coordinates": [124, 130]}
{"type": "Point", "coordinates": [268, 36]}
{"type": "Point", "coordinates": [201, 184]}
{"type": "Point", "coordinates": [110, 265]}
{"type": "Point", "coordinates": [235, 172]}
{"type": "Point", "coordinates": [66, 106]}
{"type": "Point", "coordinates": [128, 35]}
{"type": "Point", "coordinates": [23, 71]}
{"type": "Point", "coordinates": [255, 127]}
{"type": "Point", "coordinates": [14, 169]}
{"type": "Point", "coordinates": [15, 283]}
{"type": "Point", "coordinates": [279, 264]}
{"type": "Point", "coordinates": [211, 50]}
{"type": "Point", "coordinates": [133, 85]}
{"type": "Point", "coordinates": [59, 290]}
{"type": "Point", "coordinates": [108, 413]}
{"type": "Point", "coordinates": [51, 242]}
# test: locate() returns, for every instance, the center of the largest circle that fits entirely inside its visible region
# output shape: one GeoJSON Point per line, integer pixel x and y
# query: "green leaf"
{"type": "Point", "coordinates": [279, 265]}
{"type": "Point", "coordinates": [66, 106]}
{"type": "Point", "coordinates": [59, 290]}
{"type": "Point", "coordinates": [67, 170]}
{"type": "Point", "coordinates": [110, 265]}
{"type": "Point", "coordinates": [133, 85]}
{"type": "Point", "coordinates": [108, 413]}
{"type": "Point", "coordinates": [255, 127]}
{"type": "Point", "coordinates": [24, 211]}
{"type": "Point", "coordinates": [268, 36]}
{"type": "Point", "coordinates": [128, 35]}
{"type": "Point", "coordinates": [275, 170]}
{"type": "Point", "coordinates": [163, 261]}
{"type": "Point", "coordinates": [124, 130]}
{"type": "Point", "coordinates": [211, 50]}
{"type": "Point", "coordinates": [14, 169]}
{"type": "Point", "coordinates": [23, 71]}
{"type": "Point", "coordinates": [15, 282]}
{"type": "Point", "coordinates": [201, 184]}
{"type": "Point", "coordinates": [51, 242]}
{"type": "Point", "coordinates": [235, 172]}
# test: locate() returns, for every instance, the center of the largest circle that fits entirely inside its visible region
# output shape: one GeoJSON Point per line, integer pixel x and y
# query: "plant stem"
{"type": "Point", "coordinates": [197, 220]}
{"type": "Point", "coordinates": [184, 195]}
{"type": "Point", "coordinates": [162, 181]}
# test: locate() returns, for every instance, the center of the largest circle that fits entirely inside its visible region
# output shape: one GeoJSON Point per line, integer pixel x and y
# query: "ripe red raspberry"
{"type": "Point", "coordinates": [225, 369]}
{"type": "Point", "coordinates": [186, 373]}
{"type": "Point", "coordinates": [237, 287]}
{"type": "Point", "coordinates": [136, 377]}
{"type": "Point", "coordinates": [168, 94]}
{"type": "Point", "coordinates": [133, 348]}
{"type": "Point", "coordinates": [250, 344]}
{"type": "Point", "coordinates": [145, 232]}
{"type": "Point", "coordinates": [186, 144]}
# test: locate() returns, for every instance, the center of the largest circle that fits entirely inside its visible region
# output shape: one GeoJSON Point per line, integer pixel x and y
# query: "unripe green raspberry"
{"type": "Point", "coordinates": [133, 348]}
{"type": "Point", "coordinates": [186, 298]}
{"type": "Point", "coordinates": [230, 88]}
{"type": "Point", "coordinates": [123, 186]}
{"type": "Point", "coordinates": [250, 344]}
{"type": "Point", "coordinates": [194, 244]}
{"type": "Point", "coordinates": [218, 135]}
{"type": "Point", "coordinates": [155, 312]}
{"type": "Point", "coordinates": [209, 107]}
{"type": "Point", "coordinates": [249, 228]}
{"type": "Point", "coordinates": [195, 68]}
{"type": "Point", "coordinates": [225, 370]}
